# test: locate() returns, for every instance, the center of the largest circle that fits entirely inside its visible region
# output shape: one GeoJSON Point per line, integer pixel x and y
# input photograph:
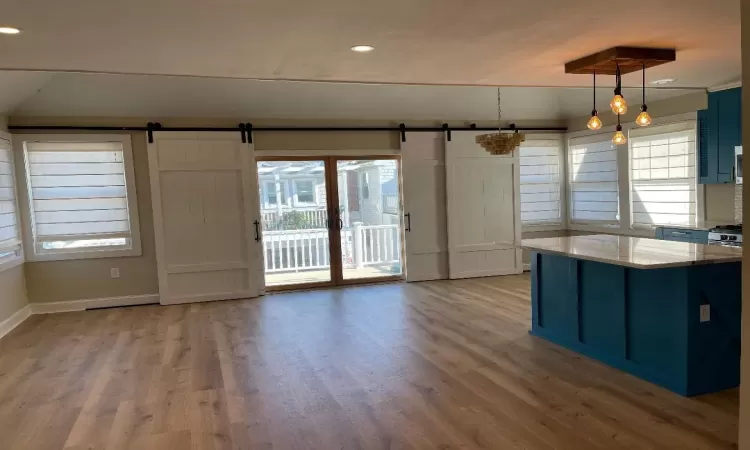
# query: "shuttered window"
{"type": "Point", "coordinates": [78, 196]}
{"type": "Point", "coordinates": [540, 182]}
{"type": "Point", "coordinates": [10, 242]}
{"type": "Point", "coordinates": [592, 177]}
{"type": "Point", "coordinates": [663, 175]}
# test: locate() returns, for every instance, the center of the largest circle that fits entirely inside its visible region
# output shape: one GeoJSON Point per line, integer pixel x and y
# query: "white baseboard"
{"type": "Point", "coordinates": [81, 305]}
{"type": "Point", "coordinates": [7, 325]}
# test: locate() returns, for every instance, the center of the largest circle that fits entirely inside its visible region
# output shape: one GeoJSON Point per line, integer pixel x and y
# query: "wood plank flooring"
{"type": "Point", "coordinates": [436, 365]}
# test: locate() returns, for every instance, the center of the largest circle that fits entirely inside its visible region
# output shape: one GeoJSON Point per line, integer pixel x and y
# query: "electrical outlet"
{"type": "Point", "coordinates": [705, 313]}
{"type": "Point", "coordinates": [114, 272]}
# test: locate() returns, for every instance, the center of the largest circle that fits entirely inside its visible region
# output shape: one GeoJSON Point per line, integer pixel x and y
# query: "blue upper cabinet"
{"type": "Point", "coordinates": [719, 131]}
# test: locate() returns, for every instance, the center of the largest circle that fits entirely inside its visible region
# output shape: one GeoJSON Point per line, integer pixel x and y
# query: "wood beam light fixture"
{"type": "Point", "coordinates": [619, 61]}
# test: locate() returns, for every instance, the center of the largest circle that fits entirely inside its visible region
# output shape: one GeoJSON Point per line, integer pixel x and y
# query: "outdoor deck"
{"type": "Point", "coordinates": [314, 276]}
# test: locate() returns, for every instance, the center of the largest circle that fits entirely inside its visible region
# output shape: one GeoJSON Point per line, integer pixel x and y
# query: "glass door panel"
{"type": "Point", "coordinates": [294, 210]}
{"type": "Point", "coordinates": [369, 218]}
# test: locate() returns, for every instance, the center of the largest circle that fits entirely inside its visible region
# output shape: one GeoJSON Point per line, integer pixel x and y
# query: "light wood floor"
{"type": "Point", "coordinates": [437, 365]}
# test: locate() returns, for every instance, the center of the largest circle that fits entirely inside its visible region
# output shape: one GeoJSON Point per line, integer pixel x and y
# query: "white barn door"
{"type": "Point", "coordinates": [484, 220]}
{"type": "Point", "coordinates": [205, 200]}
{"type": "Point", "coordinates": [426, 237]}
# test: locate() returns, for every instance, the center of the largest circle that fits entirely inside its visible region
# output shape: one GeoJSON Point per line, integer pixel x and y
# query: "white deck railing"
{"type": "Point", "coordinates": [376, 244]}
{"type": "Point", "coordinates": [301, 250]}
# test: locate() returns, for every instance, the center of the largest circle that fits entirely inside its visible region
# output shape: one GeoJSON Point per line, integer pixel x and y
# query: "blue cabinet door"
{"type": "Point", "coordinates": [719, 132]}
{"type": "Point", "coordinates": [729, 132]}
{"type": "Point", "coordinates": [706, 153]}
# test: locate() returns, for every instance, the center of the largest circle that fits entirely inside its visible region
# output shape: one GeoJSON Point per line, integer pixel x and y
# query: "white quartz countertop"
{"type": "Point", "coordinates": [639, 253]}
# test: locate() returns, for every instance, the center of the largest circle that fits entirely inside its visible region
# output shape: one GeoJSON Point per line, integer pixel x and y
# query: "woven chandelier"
{"type": "Point", "coordinates": [500, 143]}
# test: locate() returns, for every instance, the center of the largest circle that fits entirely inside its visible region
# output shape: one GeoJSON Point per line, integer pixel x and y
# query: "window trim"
{"type": "Point", "coordinates": [700, 214]}
{"type": "Point", "coordinates": [623, 227]}
{"type": "Point", "coordinates": [21, 166]}
{"type": "Point", "coordinates": [562, 155]}
{"type": "Point", "coordinates": [19, 258]}
{"type": "Point", "coordinates": [266, 197]}
{"type": "Point", "coordinates": [296, 192]}
{"type": "Point", "coordinates": [594, 138]}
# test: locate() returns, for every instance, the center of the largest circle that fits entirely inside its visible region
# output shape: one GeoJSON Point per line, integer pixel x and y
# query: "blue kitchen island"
{"type": "Point", "coordinates": [667, 312]}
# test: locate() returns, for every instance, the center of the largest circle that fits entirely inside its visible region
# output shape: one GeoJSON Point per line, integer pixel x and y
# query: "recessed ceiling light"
{"type": "Point", "coordinates": [363, 48]}
{"type": "Point", "coordinates": [9, 30]}
{"type": "Point", "coordinates": [664, 81]}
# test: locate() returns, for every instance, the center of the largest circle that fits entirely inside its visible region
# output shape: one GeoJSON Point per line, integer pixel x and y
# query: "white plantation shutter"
{"type": "Point", "coordinates": [663, 178]}
{"type": "Point", "coordinates": [10, 243]}
{"type": "Point", "coordinates": [540, 182]}
{"type": "Point", "coordinates": [78, 195]}
{"type": "Point", "coordinates": [592, 177]}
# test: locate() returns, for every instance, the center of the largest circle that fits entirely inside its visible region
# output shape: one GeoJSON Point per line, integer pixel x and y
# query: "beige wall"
{"type": "Point", "coordinates": [720, 203]}
{"type": "Point", "coordinates": [745, 378]}
{"type": "Point", "coordinates": [53, 281]}
{"type": "Point", "coordinates": [12, 292]}
{"type": "Point", "coordinates": [12, 283]}
{"type": "Point", "coordinates": [719, 197]}
{"type": "Point", "coordinates": [663, 108]}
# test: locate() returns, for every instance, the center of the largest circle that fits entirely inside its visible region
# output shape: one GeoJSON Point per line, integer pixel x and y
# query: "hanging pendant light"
{"type": "Point", "coordinates": [643, 119]}
{"type": "Point", "coordinates": [500, 143]}
{"type": "Point", "coordinates": [618, 104]}
{"type": "Point", "coordinates": [595, 122]}
{"type": "Point", "coordinates": [619, 137]}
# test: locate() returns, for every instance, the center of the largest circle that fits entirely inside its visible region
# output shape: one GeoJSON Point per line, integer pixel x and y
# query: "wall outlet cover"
{"type": "Point", "coordinates": [114, 272]}
{"type": "Point", "coordinates": [705, 313]}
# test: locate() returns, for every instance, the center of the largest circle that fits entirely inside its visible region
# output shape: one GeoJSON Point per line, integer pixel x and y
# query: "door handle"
{"type": "Point", "coordinates": [407, 216]}
{"type": "Point", "coordinates": [341, 224]}
{"type": "Point", "coordinates": [257, 231]}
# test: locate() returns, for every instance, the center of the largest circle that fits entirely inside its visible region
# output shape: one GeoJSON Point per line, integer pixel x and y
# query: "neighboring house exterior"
{"type": "Point", "coordinates": [368, 192]}
{"type": "Point", "coordinates": [293, 201]}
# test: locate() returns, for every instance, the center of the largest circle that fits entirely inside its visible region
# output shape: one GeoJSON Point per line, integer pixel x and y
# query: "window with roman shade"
{"type": "Point", "coordinates": [663, 181]}
{"type": "Point", "coordinates": [592, 178]}
{"type": "Point", "coordinates": [10, 241]}
{"type": "Point", "coordinates": [81, 196]}
{"type": "Point", "coordinates": [540, 182]}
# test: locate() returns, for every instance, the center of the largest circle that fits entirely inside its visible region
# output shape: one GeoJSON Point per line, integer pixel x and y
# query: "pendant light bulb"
{"type": "Point", "coordinates": [619, 137]}
{"type": "Point", "coordinates": [643, 119]}
{"type": "Point", "coordinates": [618, 104]}
{"type": "Point", "coordinates": [595, 122]}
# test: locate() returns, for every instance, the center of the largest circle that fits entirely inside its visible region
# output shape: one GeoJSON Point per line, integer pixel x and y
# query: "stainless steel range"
{"type": "Point", "coordinates": [729, 235]}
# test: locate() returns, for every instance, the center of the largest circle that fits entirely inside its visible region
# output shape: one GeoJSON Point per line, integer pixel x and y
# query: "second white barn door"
{"type": "Point", "coordinates": [426, 238]}
{"type": "Point", "coordinates": [483, 207]}
{"type": "Point", "coordinates": [205, 201]}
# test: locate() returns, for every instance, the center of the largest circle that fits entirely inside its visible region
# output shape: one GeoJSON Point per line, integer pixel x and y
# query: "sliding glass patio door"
{"type": "Point", "coordinates": [295, 223]}
{"type": "Point", "coordinates": [329, 221]}
{"type": "Point", "coordinates": [370, 212]}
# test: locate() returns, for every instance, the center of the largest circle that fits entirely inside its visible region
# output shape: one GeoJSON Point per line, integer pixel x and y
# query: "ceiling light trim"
{"type": "Point", "coordinates": [362, 48]}
{"type": "Point", "coordinates": [9, 30]}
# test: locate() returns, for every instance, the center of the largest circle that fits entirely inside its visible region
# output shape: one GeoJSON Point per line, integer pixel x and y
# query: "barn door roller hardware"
{"type": "Point", "coordinates": [249, 129]}
{"type": "Point", "coordinates": [447, 130]}
{"type": "Point", "coordinates": [150, 127]}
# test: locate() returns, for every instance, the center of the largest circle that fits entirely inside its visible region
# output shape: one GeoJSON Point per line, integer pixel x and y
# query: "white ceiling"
{"type": "Point", "coordinates": [487, 42]}
{"type": "Point", "coordinates": [102, 95]}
